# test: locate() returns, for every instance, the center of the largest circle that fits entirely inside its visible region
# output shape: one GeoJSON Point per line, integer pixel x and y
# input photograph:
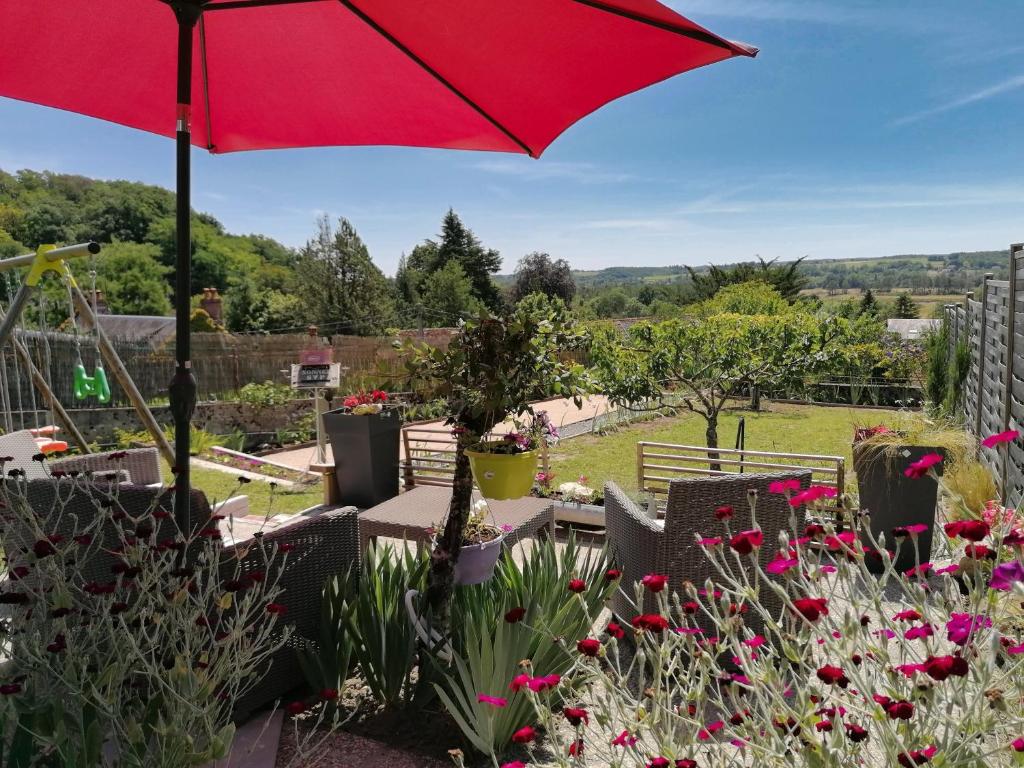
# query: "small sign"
{"type": "Point", "coordinates": [326, 375]}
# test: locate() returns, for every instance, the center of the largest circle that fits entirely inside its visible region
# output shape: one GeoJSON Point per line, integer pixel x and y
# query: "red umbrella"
{"type": "Point", "coordinates": [499, 75]}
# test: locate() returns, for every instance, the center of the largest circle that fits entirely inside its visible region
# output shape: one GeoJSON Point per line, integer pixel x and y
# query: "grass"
{"type": "Point", "coordinates": [262, 498]}
{"type": "Point", "coordinates": [779, 427]}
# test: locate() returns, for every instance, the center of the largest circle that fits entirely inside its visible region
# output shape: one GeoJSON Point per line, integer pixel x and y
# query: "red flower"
{"type": "Point", "coordinates": [615, 630]}
{"type": "Point", "coordinates": [328, 694]}
{"type": "Point", "coordinates": [577, 585]}
{"type": "Point", "coordinates": [746, 542]}
{"type": "Point", "coordinates": [811, 608]}
{"type": "Point", "coordinates": [941, 667]}
{"type": "Point", "coordinates": [576, 715]}
{"type": "Point", "coordinates": [685, 762]}
{"type": "Point", "coordinates": [782, 486]}
{"type": "Point", "coordinates": [920, 468]}
{"type": "Point", "coordinates": [833, 676]}
{"type": "Point", "coordinates": [589, 646]}
{"type": "Point", "coordinates": [9, 688]}
{"type": "Point", "coordinates": [654, 582]}
{"type": "Point", "coordinates": [723, 512]}
{"type": "Point", "coordinates": [518, 683]}
{"type": "Point", "coordinates": [296, 707]}
{"type": "Point", "coordinates": [524, 735]}
{"type": "Point", "coordinates": [658, 762]}
{"type": "Point", "coordinates": [651, 622]}
{"type": "Point", "coordinates": [277, 609]}
{"type": "Point", "coordinates": [379, 396]}
{"type": "Point", "coordinates": [978, 551]}
{"type": "Point", "coordinates": [916, 757]}
{"type": "Point", "coordinates": [907, 615]}
{"type": "Point", "coordinates": [971, 530]}
{"type": "Point", "coordinates": [576, 748]}
{"type": "Point", "coordinates": [612, 574]}
{"type": "Point", "coordinates": [855, 733]}
{"type": "Point", "coordinates": [515, 615]}
{"type": "Point", "coordinates": [900, 710]}
{"type": "Point", "coordinates": [705, 733]}
{"type": "Point", "coordinates": [690, 607]}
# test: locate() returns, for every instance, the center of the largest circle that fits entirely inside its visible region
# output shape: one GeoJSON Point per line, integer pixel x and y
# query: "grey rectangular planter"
{"type": "Point", "coordinates": [366, 456]}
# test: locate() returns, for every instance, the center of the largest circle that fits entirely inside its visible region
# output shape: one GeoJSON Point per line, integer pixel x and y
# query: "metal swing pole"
{"type": "Point", "coordinates": [182, 389]}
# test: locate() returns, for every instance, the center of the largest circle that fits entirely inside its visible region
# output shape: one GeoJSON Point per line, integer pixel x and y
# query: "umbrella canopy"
{"type": "Point", "coordinates": [501, 75]}
{"type": "Point", "coordinates": [230, 75]}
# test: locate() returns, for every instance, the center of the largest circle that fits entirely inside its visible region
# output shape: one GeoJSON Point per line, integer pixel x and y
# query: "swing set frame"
{"type": "Point", "coordinates": [49, 259]}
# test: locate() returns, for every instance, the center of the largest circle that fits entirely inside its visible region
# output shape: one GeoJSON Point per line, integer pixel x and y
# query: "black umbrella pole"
{"type": "Point", "coordinates": [182, 389]}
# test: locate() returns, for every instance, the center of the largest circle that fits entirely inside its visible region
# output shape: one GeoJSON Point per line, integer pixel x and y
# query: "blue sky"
{"type": "Point", "coordinates": [861, 129]}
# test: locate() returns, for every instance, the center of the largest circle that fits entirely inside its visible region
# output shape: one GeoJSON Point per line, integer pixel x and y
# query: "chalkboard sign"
{"type": "Point", "coordinates": [327, 375]}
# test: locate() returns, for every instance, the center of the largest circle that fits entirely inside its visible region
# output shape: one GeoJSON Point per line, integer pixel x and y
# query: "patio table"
{"type": "Point", "coordinates": [412, 515]}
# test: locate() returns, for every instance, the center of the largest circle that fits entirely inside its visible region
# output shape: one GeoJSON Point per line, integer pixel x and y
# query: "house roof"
{"type": "Point", "coordinates": [912, 329]}
{"type": "Point", "coordinates": [152, 328]}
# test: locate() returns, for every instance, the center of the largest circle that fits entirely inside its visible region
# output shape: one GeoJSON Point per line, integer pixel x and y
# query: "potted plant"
{"type": "Point", "coordinates": [364, 435]}
{"type": "Point", "coordinates": [575, 501]}
{"type": "Point", "coordinates": [895, 496]}
{"type": "Point", "coordinates": [494, 368]}
{"type": "Point", "coordinates": [505, 468]}
{"type": "Point", "coordinates": [480, 547]}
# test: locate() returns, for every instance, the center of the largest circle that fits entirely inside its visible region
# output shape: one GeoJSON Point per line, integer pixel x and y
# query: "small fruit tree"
{"type": "Point", "coordinates": [494, 368]}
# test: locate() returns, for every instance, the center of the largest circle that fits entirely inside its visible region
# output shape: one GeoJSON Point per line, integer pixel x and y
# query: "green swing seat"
{"type": "Point", "coordinates": [91, 386]}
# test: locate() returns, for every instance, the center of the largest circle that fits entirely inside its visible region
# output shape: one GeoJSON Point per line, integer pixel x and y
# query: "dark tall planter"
{"type": "Point", "coordinates": [365, 452]}
{"type": "Point", "coordinates": [893, 499]}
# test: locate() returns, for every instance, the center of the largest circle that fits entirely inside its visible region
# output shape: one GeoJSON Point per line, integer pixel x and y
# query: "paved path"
{"type": "Point", "coordinates": [562, 412]}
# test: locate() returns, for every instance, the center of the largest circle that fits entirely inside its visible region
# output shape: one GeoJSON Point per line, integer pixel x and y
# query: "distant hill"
{"type": "Point", "coordinates": [925, 273]}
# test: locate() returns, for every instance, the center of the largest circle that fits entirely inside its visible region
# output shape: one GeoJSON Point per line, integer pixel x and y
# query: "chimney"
{"type": "Point", "coordinates": [211, 304]}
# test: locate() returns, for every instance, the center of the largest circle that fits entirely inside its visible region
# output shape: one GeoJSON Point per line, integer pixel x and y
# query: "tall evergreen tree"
{"type": "Point", "coordinates": [905, 307]}
{"type": "Point", "coordinates": [344, 290]}
{"type": "Point", "coordinates": [868, 304]}
{"type": "Point", "coordinates": [787, 279]}
{"type": "Point", "coordinates": [459, 244]}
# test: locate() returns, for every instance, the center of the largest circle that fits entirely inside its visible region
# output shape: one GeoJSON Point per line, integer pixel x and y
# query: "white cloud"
{"type": "Point", "coordinates": [983, 94]}
{"type": "Point", "coordinates": [539, 170]}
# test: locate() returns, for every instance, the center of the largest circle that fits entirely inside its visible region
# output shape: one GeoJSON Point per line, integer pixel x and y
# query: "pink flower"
{"type": "Point", "coordinates": [755, 642]}
{"type": "Point", "coordinates": [705, 733]}
{"type": "Point", "coordinates": [494, 701]}
{"type": "Point", "coordinates": [919, 632]}
{"type": "Point", "coordinates": [961, 626]}
{"type": "Point", "coordinates": [970, 530]}
{"type": "Point", "coordinates": [524, 735]}
{"type": "Point", "coordinates": [781, 564]}
{"type": "Point", "coordinates": [514, 764]}
{"type": "Point", "coordinates": [783, 486]}
{"type": "Point", "coordinates": [577, 585]}
{"type": "Point", "coordinates": [538, 684]}
{"type": "Point", "coordinates": [909, 530]}
{"type": "Point", "coordinates": [518, 683]}
{"type": "Point", "coordinates": [713, 541]}
{"type": "Point", "coordinates": [1003, 437]}
{"type": "Point", "coordinates": [919, 468]}
{"type": "Point", "coordinates": [1017, 745]}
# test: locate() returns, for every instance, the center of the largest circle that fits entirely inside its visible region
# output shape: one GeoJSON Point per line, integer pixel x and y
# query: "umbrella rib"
{"type": "Point", "coordinates": [206, 85]}
{"type": "Point", "coordinates": [436, 75]}
{"type": "Point", "coordinates": [695, 34]}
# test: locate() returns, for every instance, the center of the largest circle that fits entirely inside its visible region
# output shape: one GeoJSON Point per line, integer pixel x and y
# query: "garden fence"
{"type": "Point", "coordinates": [992, 328]}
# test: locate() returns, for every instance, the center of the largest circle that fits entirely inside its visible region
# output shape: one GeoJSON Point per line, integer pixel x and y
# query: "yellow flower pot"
{"type": "Point", "coordinates": [502, 475]}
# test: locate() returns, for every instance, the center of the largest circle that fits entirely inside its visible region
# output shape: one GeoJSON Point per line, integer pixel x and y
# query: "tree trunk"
{"type": "Point", "coordinates": [440, 582]}
{"type": "Point", "coordinates": [711, 437]}
{"type": "Point", "coordinates": [755, 397]}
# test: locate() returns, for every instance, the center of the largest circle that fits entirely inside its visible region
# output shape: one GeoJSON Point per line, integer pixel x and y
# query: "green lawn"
{"type": "Point", "coordinates": [220, 485]}
{"type": "Point", "coordinates": [779, 427]}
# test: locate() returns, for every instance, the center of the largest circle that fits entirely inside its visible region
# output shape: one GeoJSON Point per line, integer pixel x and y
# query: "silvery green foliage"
{"type": "Point", "coordinates": [923, 667]}
{"type": "Point", "coordinates": [126, 641]}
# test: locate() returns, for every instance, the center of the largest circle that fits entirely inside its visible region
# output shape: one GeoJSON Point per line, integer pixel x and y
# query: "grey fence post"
{"type": "Point", "coordinates": [982, 340]}
{"type": "Point", "coordinates": [1011, 328]}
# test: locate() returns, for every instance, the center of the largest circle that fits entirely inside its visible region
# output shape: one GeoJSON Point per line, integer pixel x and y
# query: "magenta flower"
{"type": "Point", "coordinates": [784, 486]}
{"type": "Point", "coordinates": [1004, 576]}
{"type": "Point", "coordinates": [494, 701]}
{"type": "Point", "coordinates": [961, 626]}
{"type": "Point", "coordinates": [624, 739]}
{"type": "Point", "coordinates": [919, 468]}
{"type": "Point", "coordinates": [781, 564]}
{"type": "Point", "coordinates": [1003, 437]}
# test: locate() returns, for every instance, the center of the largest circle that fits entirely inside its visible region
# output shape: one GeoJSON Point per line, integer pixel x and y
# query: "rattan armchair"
{"type": "Point", "coordinates": [324, 542]}
{"type": "Point", "coordinates": [140, 466]}
{"type": "Point", "coordinates": [642, 545]}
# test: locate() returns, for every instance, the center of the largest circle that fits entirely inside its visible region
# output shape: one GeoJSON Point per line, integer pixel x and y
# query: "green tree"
{"type": "Point", "coordinates": [705, 361]}
{"type": "Point", "coordinates": [132, 278]}
{"type": "Point", "coordinates": [342, 287]}
{"type": "Point", "coordinates": [868, 304]}
{"type": "Point", "coordinates": [538, 273]}
{"type": "Point", "coordinates": [458, 243]}
{"type": "Point", "coordinates": [905, 307]}
{"type": "Point", "coordinates": [750, 298]}
{"type": "Point", "coordinates": [246, 308]}
{"type": "Point", "coordinates": [446, 296]}
{"type": "Point", "coordinates": [787, 278]}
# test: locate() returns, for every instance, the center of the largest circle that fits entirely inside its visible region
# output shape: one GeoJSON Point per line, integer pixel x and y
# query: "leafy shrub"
{"type": "Point", "coordinates": [266, 394]}
{"type": "Point", "coordinates": [147, 660]}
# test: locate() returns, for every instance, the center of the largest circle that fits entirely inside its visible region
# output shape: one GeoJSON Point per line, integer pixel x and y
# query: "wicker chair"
{"type": "Point", "coordinates": [325, 542]}
{"type": "Point", "coordinates": [140, 466]}
{"type": "Point", "coordinates": [643, 545]}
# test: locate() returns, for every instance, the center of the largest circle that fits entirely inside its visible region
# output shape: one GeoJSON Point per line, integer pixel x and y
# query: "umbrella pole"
{"type": "Point", "coordinates": [182, 389]}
